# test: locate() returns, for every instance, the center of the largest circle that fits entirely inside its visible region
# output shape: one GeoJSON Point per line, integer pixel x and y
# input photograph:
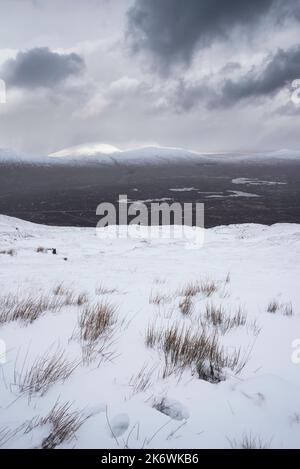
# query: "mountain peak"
{"type": "Point", "coordinates": [88, 149]}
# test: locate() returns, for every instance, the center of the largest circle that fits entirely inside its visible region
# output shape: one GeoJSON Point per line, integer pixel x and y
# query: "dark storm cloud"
{"type": "Point", "coordinates": [276, 72]}
{"type": "Point", "coordinates": [40, 67]}
{"type": "Point", "coordinates": [265, 80]}
{"type": "Point", "coordinates": [172, 29]}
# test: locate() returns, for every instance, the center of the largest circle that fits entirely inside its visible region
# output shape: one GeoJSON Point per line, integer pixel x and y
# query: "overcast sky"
{"type": "Point", "coordinates": [208, 75]}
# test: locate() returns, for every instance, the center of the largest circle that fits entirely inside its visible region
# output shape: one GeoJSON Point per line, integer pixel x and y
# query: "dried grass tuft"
{"type": "Point", "coordinates": [9, 252]}
{"type": "Point", "coordinates": [46, 370]}
{"type": "Point", "coordinates": [206, 287]}
{"type": "Point", "coordinates": [284, 308]}
{"type": "Point", "coordinates": [102, 290]}
{"type": "Point", "coordinates": [249, 442]}
{"type": "Point", "coordinates": [186, 306]}
{"type": "Point", "coordinates": [159, 298]}
{"type": "Point", "coordinates": [96, 329]}
{"type": "Point", "coordinates": [15, 308]}
{"type": "Point", "coordinates": [218, 317]}
{"type": "Point", "coordinates": [186, 348]}
{"type": "Point", "coordinates": [64, 425]}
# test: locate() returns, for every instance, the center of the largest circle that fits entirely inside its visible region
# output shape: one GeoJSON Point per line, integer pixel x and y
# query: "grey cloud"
{"type": "Point", "coordinates": [265, 80]}
{"type": "Point", "coordinates": [186, 113]}
{"type": "Point", "coordinates": [276, 72]}
{"type": "Point", "coordinates": [188, 96]}
{"type": "Point", "coordinates": [231, 67]}
{"type": "Point", "coordinates": [171, 30]}
{"type": "Point", "coordinates": [289, 109]}
{"type": "Point", "coordinates": [40, 67]}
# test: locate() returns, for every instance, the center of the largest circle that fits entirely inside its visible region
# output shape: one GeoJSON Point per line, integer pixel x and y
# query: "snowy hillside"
{"type": "Point", "coordinates": [13, 157]}
{"type": "Point", "coordinates": [149, 155]}
{"type": "Point", "coordinates": [104, 154]}
{"type": "Point", "coordinates": [136, 343]}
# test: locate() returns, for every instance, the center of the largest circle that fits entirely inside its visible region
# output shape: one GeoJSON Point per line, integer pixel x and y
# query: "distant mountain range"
{"type": "Point", "coordinates": [103, 154]}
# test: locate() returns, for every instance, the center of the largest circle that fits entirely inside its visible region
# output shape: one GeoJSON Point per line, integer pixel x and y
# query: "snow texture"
{"type": "Point", "coordinates": [122, 399]}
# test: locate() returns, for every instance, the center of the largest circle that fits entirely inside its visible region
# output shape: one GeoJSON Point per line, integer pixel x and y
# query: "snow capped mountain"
{"type": "Point", "coordinates": [105, 154]}
{"type": "Point", "coordinates": [86, 150]}
{"type": "Point", "coordinates": [158, 154]}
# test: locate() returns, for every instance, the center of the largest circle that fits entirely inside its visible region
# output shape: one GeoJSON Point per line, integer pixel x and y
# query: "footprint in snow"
{"type": "Point", "coordinates": [119, 424]}
{"type": "Point", "coordinates": [173, 409]}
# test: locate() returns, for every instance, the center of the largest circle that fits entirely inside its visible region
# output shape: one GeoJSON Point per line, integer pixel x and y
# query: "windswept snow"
{"type": "Point", "coordinates": [121, 397]}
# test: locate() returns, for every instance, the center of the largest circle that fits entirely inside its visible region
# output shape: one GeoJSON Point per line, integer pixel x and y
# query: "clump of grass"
{"type": "Point", "coordinates": [142, 381]}
{"type": "Point", "coordinates": [254, 327]}
{"type": "Point", "coordinates": [70, 297]}
{"type": "Point", "coordinates": [95, 320]}
{"type": "Point", "coordinates": [96, 328]}
{"type": "Point", "coordinates": [158, 298]}
{"type": "Point", "coordinates": [64, 424]}
{"type": "Point", "coordinates": [82, 299]}
{"type": "Point", "coordinates": [9, 252]}
{"type": "Point", "coordinates": [249, 442]}
{"type": "Point", "coordinates": [285, 308]}
{"type": "Point", "coordinates": [186, 348]}
{"type": "Point", "coordinates": [8, 434]}
{"type": "Point", "coordinates": [273, 306]}
{"type": "Point", "coordinates": [159, 281]}
{"type": "Point", "coordinates": [215, 315]}
{"type": "Point", "coordinates": [153, 336]}
{"type": "Point", "coordinates": [27, 310]}
{"type": "Point", "coordinates": [207, 288]}
{"type": "Point", "coordinates": [218, 317]}
{"type": "Point", "coordinates": [73, 299]}
{"type": "Point", "coordinates": [60, 290]}
{"type": "Point", "coordinates": [102, 290]}
{"type": "Point", "coordinates": [186, 306]}
{"type": "Point", "coordinates": [45, 371]}
{"type": "Point", "coordinates": [62, 420]}
{"type": "Point", "coordinates": [191, 289]}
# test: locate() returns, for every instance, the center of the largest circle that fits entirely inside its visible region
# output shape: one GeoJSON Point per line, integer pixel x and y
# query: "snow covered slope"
{"type": "Point", "coordinates": [13, 157]}
{"type": "Point", "coordinates": [146, 155]}
{"type": "Point", "coordinates": [86, 150]}
{"type": "Point", "coordinates": [104, 154]}
{"type": "Point", "coordinates": [122, 387]}
{"type": "Point", "coordinates": [157, 155]}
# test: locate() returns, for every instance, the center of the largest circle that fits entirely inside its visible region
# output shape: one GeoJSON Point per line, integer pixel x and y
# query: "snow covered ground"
{"type": "Point", "coordinates": [121, 392]}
